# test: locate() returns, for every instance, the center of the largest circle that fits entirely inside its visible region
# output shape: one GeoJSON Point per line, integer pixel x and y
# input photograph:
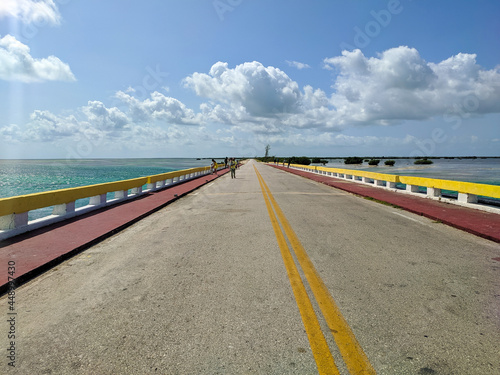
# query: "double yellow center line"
{"type": "Point", "coordinates": [354, 357]}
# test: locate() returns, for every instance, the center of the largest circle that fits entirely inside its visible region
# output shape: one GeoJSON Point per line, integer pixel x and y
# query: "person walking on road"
{"type": "Point", "coordinates": [232, 165]}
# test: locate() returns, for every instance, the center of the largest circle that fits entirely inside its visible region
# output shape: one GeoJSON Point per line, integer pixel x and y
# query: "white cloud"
{"type": "Point", "coordinates": [157, 117]}
{"type": "Point", "coordinates": [102, 118]}
{"type": "Point", "coordinates": [261, 99]}
{"type": "Point", "coordinates": [400, 85]}
{"type": "Point", "coordinates": [16, 64]}
{"type": "Point", "coordinates": [159, 108]}
{"type": "Point", "coordinates": [298, 65]}
{"type": "Point", "coordinates": [30, 11]}
{"type": "Point", "coordinates": [10, 133]}
{"type": "Point", "coordinates": [45, 126]}
{"type": "Point", "coordinates": [262, 91]}
{"type": "Point", "coordinates": [262, 104]}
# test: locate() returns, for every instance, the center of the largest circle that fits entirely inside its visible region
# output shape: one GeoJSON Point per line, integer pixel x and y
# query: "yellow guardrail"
{"type": "Point", "coordinates": [352, 172]}
{"type": "Point", "coordinates": [169, 175]}
{"type": "Point", "coordinates": [485, 190]}
{"type": "Point", "coordinates": [29, 202]}
{"type": "Point", "coordinates": [492, 191]}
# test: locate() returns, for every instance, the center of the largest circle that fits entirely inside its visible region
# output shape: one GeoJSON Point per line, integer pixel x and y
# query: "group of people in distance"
{"type": "Point", "coordinates": [232, 163]}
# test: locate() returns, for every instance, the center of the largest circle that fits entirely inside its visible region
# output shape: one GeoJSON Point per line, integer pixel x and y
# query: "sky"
{"type": "Point", "coordinates": [216, 78]}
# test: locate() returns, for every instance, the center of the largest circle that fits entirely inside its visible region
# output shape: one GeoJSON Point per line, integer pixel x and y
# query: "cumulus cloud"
{"type": "Point", "coordinates": [45, 126]}
{"type": "Point", "coordinates": [250, 98]}
{"type": "Point", "coordinates": [298, 65]}
{"type": "Point", "coordinates": [29, 11]}
{"type": "Point", "coordinates": [16, 64]}
{"type": "Point", "coordinates": [262, 91]}
{"type": "Point", "coordinates": [159, 107]}
{"type": "Point", "coordinates": [399, 84]}
{"type": "Point", "coordinates": [262, 99]}
{"type": "Point", "coordinates": [11, 133]}
{"type": "Point", "coordinates": [102, 118]}
{"type": "Point", "coordinates": [159, 116]}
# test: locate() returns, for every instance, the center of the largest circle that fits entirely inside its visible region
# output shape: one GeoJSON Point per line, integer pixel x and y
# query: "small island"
{"type": "Point", "coordinates": [423, 161]}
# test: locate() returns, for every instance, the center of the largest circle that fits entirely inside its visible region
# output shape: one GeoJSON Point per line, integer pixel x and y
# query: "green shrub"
{"type": "Point", "coordinates": [353, 160]}
{"type": "Point", "coordinates": [390, 163]}
{"type": "Point", "coordinates": [374, 162]}
{"type": "Point", "coordinates": [319, 161]}
{"type": "Point", "coordinates": [303, 160]}
{"type": "Point", "coordinates": [423, 161]}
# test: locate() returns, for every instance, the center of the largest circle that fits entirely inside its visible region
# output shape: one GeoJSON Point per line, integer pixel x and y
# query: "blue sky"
{"type": "Point", "coordinates": [202, 78]}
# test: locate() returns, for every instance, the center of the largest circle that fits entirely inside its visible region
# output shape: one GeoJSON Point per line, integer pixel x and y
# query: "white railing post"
{"type": "Point", "coordinates": [121, 194]}
{"type": "Point", "coordinates": [467, 198]}
{"type": "Point", "coordinates": [137, 190]}
{"type": "Point", "coordinates": [98, 200]}
{"type": "Point", "coordinates": [13, 221]}
{"type": "Point", "coordinates": [64, 209]}
{"type": "Point", "coordinates": [433, 192]}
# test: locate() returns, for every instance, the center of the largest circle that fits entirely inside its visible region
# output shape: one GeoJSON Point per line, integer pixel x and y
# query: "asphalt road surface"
{"type": "Point", "coordinates": [268, 273]}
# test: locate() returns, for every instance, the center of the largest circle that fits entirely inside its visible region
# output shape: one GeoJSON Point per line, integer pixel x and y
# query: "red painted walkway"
{"type": "Point", "coordinates": [481, 223]}
{"type": "Point", "coordinates": [39, 250]}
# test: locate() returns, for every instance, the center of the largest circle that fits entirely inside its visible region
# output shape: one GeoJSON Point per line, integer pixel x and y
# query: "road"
{"type": "Point", "coordinates": [208, 285]}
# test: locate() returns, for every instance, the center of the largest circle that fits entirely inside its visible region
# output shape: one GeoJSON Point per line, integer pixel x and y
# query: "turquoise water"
{"type": "Point", "coordinates": [21, 177]}
{"type": "Point", "coordinates": [483, 171]}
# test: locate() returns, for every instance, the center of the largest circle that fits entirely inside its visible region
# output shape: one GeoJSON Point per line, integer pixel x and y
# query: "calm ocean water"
{"type": "Point", "coordinates": [20, 177]}
{"type": "Point", "coordinates": [484, 171]}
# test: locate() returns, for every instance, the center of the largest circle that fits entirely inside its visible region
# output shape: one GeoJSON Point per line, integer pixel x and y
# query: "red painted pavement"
{"type": "Point", "coordinates": [37, 251]}
{"type": "Point", "coordinates": [481, 223]}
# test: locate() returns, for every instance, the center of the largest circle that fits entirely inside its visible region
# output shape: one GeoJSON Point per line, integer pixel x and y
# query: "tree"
{"type": "Point", "coordinates": [268, 147]}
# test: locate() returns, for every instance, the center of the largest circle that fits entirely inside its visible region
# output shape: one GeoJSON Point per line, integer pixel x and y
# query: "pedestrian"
{"type": "Point", "coordinates": [232, 165]}
{"type": "Point", "coordinates": [225, 162]}
{"type": "Point", "coordinates": [214, 167]}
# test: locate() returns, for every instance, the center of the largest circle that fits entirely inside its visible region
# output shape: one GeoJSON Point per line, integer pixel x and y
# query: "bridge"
{"type": "Point", "coordinates": [268, 273]}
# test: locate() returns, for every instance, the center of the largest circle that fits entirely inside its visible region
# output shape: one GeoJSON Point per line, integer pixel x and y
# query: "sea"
{"type": "Point", "coordinates": [478, 170]}
{"type": "Point", "coordinates": [21, 177]}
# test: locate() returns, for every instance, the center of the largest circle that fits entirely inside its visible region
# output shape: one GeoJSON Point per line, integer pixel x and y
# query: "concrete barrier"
{"type": "Point", "coordinates": [14, 210]}
{"type": "Point", "coordinates": [467, 192]}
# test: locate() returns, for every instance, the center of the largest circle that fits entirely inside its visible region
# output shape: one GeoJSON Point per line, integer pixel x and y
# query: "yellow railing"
{"type": "Point", "coordinates": [14, 210]}
{"type": "Point", "coordinates": [492, 191]}
{"type": "Point", "coordinates": [169, 175]}
{"type": "Point", "coordinates": [29, 202]}
{"type": "Point", "coordinates": [469, 189]}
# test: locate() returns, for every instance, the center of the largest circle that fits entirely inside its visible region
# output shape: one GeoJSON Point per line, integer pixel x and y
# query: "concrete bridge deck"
{"type": "Point", "coordinates": [268, 273]}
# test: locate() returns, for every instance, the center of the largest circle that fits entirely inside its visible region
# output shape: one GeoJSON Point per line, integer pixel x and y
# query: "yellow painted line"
{"type": "Point", "coordinates": [319, 346]}
{"type": "Point", "coordinates": [354, 357]}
